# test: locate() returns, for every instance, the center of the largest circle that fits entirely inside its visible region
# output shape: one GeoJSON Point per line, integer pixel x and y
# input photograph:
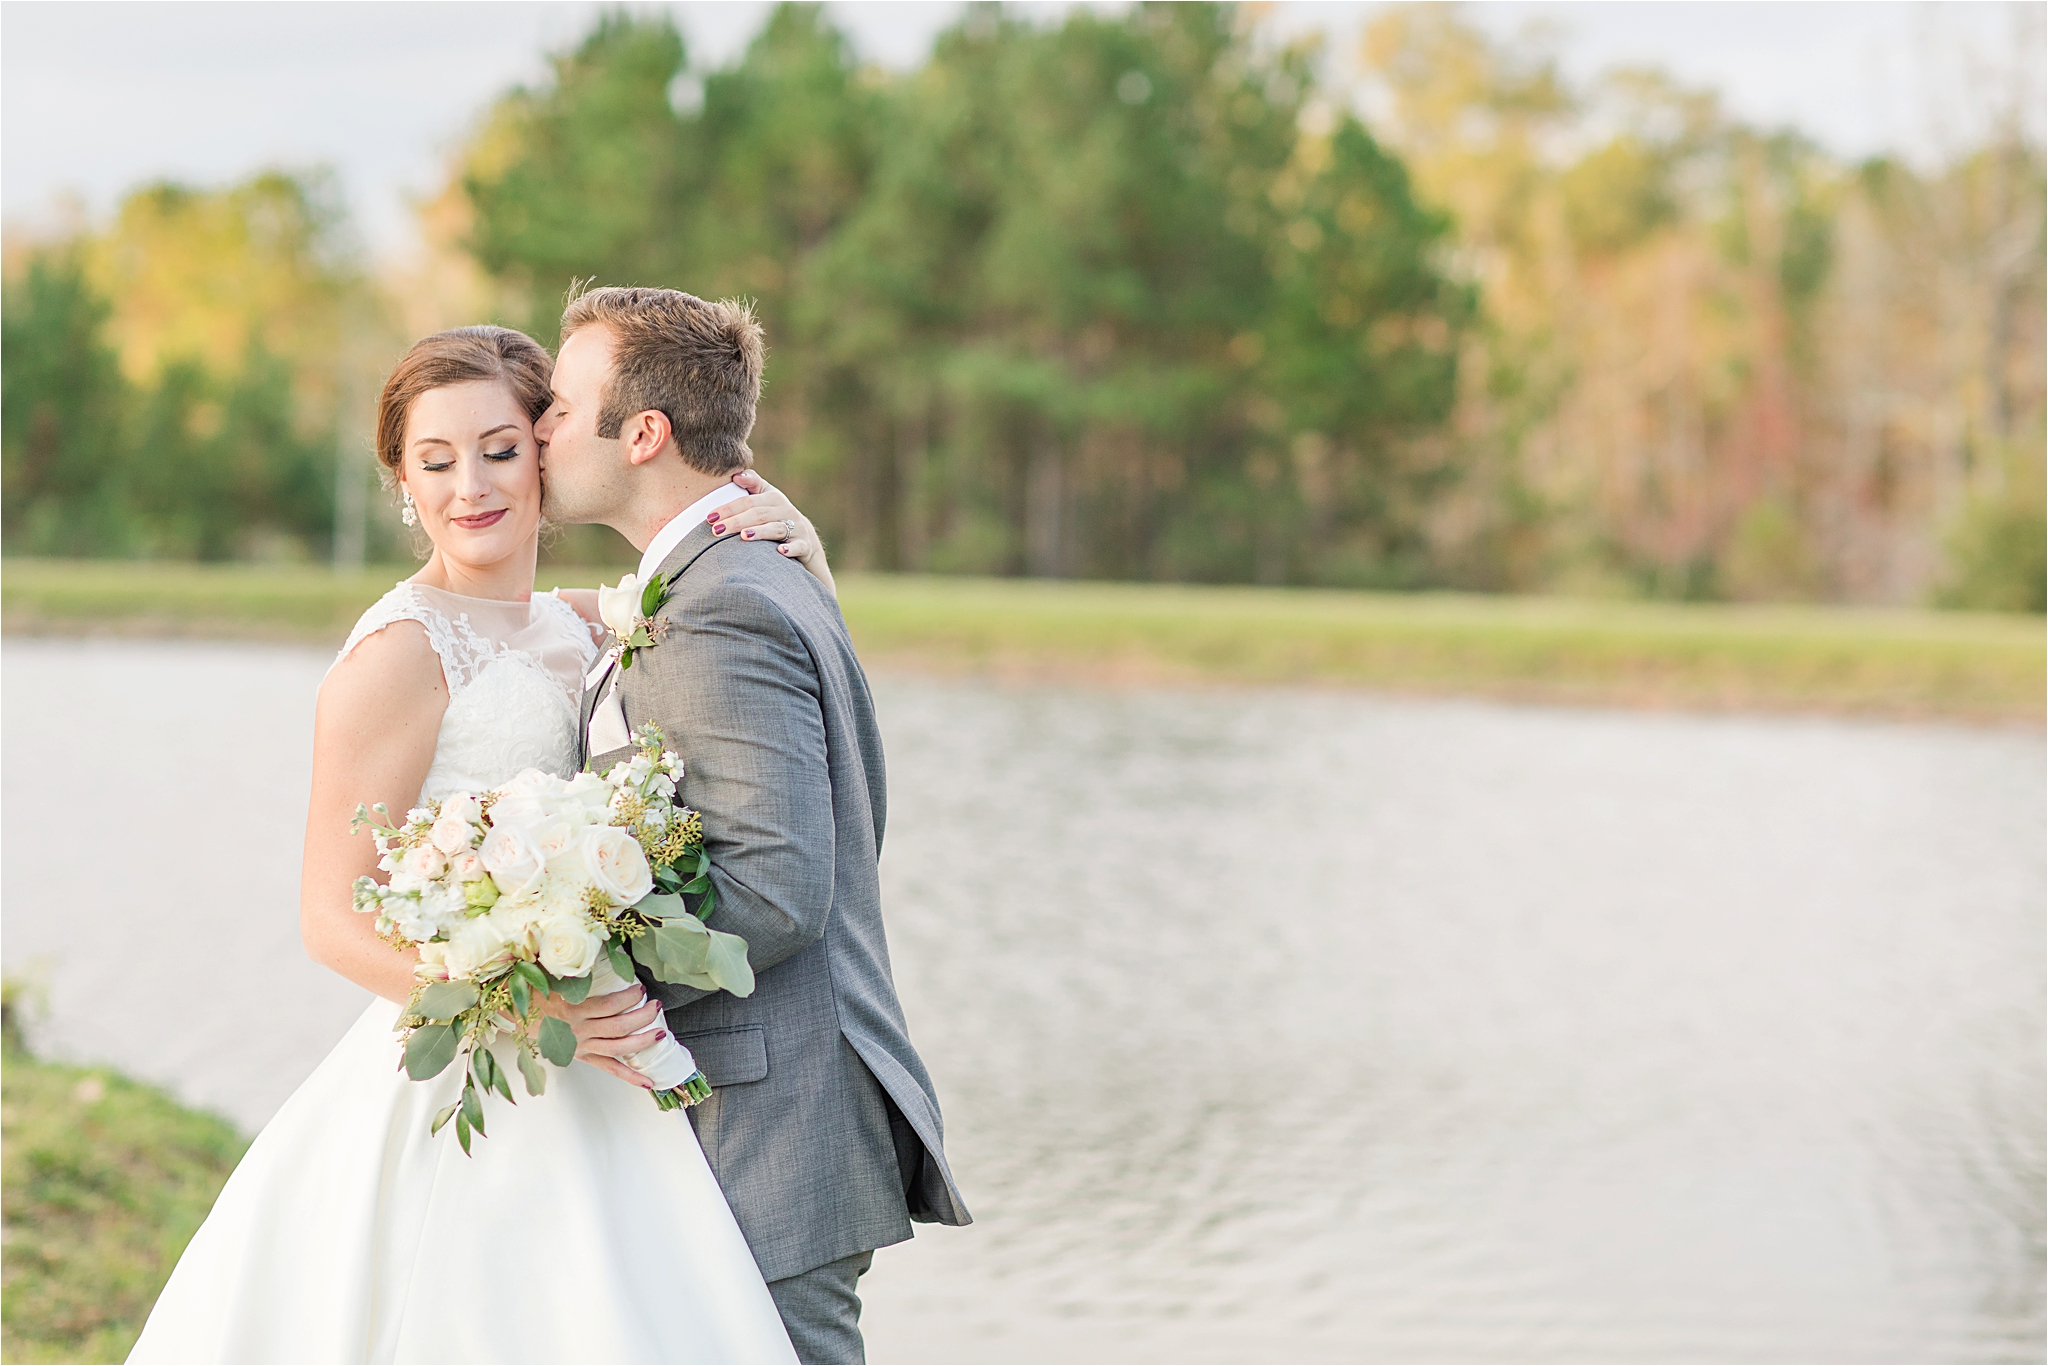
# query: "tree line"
{"type": "Point", "coordinates": [1137, 295]}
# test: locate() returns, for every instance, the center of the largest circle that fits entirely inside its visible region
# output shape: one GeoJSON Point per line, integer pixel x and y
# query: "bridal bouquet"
{"type": "Point", "coordinates": [546, 886]}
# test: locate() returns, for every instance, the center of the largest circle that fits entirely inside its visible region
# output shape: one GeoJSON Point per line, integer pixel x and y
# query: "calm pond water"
{"type": "Point", "coordinates": [1270, 1025]}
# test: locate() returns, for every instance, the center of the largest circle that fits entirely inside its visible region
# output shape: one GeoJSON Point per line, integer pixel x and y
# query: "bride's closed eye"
{"type": "Point", "coordinates": [506, 454]}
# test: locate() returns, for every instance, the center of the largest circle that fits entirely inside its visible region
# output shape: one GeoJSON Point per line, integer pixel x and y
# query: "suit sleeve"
{"type": "Point", "coordinates": [735, 690]}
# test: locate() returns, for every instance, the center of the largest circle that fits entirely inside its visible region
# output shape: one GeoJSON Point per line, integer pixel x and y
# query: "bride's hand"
{"type": "Point", "coordinates": [766, 514]}
{"type": "Point", "coordinates": [608, 1028]}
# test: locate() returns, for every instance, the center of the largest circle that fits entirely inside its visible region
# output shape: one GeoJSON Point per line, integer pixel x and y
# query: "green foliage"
{"type": "Point", "coordinates": [63, 441]}
{"type": "Point", "coordinates": [105, 1182]}
{"type": "Point", "coordinates": [1998, 557]}
{"type": "Point", "coordinates": [1064, 302]}
{"type": "Point", "coordinates": [199, 421]}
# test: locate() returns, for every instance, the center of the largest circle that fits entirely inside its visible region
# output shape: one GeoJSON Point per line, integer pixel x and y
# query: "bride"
{"type": "Point", "coordinates": [588, 1227]}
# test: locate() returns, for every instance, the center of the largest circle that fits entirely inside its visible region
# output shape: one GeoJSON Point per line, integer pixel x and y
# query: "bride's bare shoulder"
{"type": "Point", "coordinates": [582, 601]}
{"type": "Point", "coordinates": [391, 671]}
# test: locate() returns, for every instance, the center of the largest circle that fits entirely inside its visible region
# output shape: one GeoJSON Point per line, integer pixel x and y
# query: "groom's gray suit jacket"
{"type": "Point", "coordinates": [823, 1127]}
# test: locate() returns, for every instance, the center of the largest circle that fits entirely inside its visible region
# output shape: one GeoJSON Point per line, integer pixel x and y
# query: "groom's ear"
{"type": "Point", "coordinates": [645, 435]}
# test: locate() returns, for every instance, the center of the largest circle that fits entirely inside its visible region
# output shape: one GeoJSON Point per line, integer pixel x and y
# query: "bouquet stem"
{"type": "Point", "coordinates": [686, 1095]}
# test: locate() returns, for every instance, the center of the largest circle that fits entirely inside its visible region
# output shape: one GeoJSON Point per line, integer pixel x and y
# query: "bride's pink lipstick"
{"type": "Point", "coordinates": [480, 520]}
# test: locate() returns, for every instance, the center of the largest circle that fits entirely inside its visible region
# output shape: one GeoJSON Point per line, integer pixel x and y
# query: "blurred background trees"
{"type": "Point", "coordinates": [1137, 295]}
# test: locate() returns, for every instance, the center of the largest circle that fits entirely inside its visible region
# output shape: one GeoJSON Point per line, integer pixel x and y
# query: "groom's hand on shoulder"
{"type": "Point", "coordinates": [608, 1028]}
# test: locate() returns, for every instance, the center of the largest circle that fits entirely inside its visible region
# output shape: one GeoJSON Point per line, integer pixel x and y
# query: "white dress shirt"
{"type": "Point", "coordinates": [679, 526]}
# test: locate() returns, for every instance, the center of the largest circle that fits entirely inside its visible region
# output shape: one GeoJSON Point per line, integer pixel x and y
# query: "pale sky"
{"type": "Point", "coordinates": [98, 96]}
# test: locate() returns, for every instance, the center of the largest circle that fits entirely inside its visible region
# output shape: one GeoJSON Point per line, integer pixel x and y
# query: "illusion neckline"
{"type": "Point", "coordinates": [526, 601]}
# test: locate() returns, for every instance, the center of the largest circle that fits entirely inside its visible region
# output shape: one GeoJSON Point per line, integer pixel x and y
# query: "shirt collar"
{"type": "Point", "coordinates": [682, 524]}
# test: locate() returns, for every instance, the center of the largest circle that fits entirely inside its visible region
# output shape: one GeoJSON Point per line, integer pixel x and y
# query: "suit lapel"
{"type": "Point", "coordinates": [686, 553]}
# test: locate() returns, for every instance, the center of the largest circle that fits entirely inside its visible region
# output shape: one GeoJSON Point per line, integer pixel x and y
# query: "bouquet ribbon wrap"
{"type": "Point", "coordinates": [664, 1062]}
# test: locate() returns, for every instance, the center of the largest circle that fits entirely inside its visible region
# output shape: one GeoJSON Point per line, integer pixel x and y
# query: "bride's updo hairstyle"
{"type": "Point", "coordinates": [460, 355]}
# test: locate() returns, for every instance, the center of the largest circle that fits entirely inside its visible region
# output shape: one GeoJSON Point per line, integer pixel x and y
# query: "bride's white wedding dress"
{"type": "Point", "coordinates": [587, 1227]}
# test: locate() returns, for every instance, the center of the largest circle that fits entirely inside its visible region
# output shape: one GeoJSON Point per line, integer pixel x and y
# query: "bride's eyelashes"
{"type": "Point", "coordinates": [509, 454]}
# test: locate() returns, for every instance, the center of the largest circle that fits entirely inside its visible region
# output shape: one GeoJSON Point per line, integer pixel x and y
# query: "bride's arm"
{"type": "Point", "coordinates": [374, 732]}
{"type": "Point", "coordinates": [762, 515]}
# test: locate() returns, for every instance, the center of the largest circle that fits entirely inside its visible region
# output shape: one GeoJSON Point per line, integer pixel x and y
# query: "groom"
{"type": "Point", "coordinates": [823, 1127]}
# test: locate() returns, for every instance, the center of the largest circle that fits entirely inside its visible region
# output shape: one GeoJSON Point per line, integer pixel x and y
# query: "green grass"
{"type": "Point", "coordinates": [104, 1181]}
{"type": "Point", "coordinates": [1971, 666]}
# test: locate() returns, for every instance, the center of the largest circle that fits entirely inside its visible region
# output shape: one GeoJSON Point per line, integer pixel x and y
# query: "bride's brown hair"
{"type": "Point", "coordinates": [460, 355]}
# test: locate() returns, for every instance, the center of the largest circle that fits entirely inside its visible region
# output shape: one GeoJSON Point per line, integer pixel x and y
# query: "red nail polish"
{"type": "Point", "coordinates": [718, 528]}
{"type": "Point", "coordinates": [747, 535]}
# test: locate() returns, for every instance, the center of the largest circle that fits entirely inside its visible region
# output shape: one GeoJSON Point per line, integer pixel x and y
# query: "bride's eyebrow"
{"type": "Point", "coordinates": [501, 427]}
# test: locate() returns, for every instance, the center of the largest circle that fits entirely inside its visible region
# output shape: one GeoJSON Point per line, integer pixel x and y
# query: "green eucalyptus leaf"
{"type": "Point", "coordinates": [522, 996]}
{"type": "Point", "coordinates": [501, 1083]}
{"type": "Point", "coordinates": [574, 990]}
{"type": "Point", "coordinates": [473, 1107]}
{"type": "Point", "coordinates": [640, 640]}
{"type": "Point", "coordinates": [462, 1131]}
{"type": "Point", "coordinates": [727, 963]}
{"type": "Point", "coordinates": [446, 1000]}
{"type": "Point", "coordinates": [660, 906]}
{"type": "Point", "coordinates": [557, 1042]}
{"type": "Point", "coordinates": [621, 963]}
{"type": "Point", "coordinates": [535, 978]}
{"type": "Point", "coordinates": [447, 1112]}
{"type": "Point", "coordinates": [429, 1051]}
{"type": "Point", "coordinates": [646, 953]}
{"type": "Point", "coordinates": [536, 1076]}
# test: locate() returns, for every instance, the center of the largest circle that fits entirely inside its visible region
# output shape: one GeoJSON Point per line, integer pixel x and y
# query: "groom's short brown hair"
{"type": "Point", "coordinates": [698, 363]}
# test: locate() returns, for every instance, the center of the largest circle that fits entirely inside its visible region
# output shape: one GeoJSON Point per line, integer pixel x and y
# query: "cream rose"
{"type": "Point", "coordinates": [616, 865]}
{"type": "Point", "coordinates": [463, 807]}
{"type": "Point", "coordinates": [619, 608]}
{"type": "Point", "coordinates": [424, 862]}
{"type": "Point", "coordinates": [553, 838]}
{"type": "Point", "coordinates": [568, 946]}
{"type": "Point", "coordinates": [474, 949]}
{"type": "Point", "coordinates": [451, 834]}
{"type": "Point", "coordinates": [511, 859]}
{"type": "Point", "coordinates": [467, 866]}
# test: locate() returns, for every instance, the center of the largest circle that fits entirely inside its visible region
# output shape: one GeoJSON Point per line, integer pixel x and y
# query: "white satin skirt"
{"type": "Point", "coordinates": [587, 1227]}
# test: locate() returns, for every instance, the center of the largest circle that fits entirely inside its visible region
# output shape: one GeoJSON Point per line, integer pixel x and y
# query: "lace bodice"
{"type": "Point", "coordinates": [515, 678]}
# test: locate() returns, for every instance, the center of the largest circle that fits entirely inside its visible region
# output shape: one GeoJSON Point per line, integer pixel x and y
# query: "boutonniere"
{"type": "Point", "coordinates": [630, 613]}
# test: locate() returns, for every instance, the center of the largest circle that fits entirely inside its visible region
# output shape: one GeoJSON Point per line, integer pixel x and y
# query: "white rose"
{"type": "Point", "coordinates": [616, 865]}
{"type": "Point", "coordinates": [433, 965]}
{"type": "Point", "coordinates": [451, 834]}
{"type": "Point", "coordinates": [467, 866]}
{"type": "Point", "coordinates": [424, 862]}
{"type": "Point", "coordinates": [512, 860]}
{"type": "Point", "coordinates": [568, 946]}
{"type": "Point", "coordinates": [474, 949]}
{"type": "Point", "coordinates": [619, 608]}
